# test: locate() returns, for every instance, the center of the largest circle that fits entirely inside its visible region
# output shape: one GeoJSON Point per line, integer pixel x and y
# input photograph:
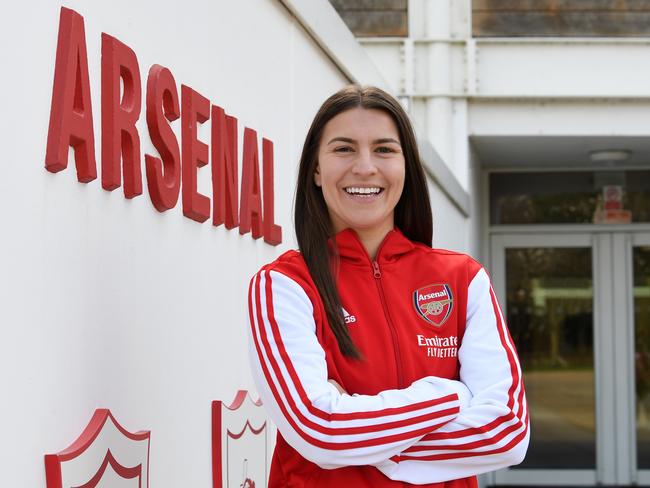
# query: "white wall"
{"type": "Point", "coordinates": [450, 227]}
{"type": "Point", "coordinates": [106, 302]}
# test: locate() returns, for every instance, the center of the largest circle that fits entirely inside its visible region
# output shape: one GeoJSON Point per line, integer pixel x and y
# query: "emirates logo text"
{"type": "Point", "coordinates": [439, 347]}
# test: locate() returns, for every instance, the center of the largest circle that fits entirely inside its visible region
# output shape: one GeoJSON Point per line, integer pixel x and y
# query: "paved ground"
{"type": "Point", "coordinates": [562, 413]}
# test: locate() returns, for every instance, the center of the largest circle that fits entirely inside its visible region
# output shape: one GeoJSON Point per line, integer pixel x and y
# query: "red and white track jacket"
{"type": "Point", "coordinates": [438, 396]}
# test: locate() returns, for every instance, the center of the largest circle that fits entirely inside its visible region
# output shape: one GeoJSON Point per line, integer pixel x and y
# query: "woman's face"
{"type": "Point", "coordinates": [361, 170]}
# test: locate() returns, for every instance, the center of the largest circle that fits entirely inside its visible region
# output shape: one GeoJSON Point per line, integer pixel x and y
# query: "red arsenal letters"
{"type": "Point", "coordinates": [71, 124]}
{"type": "Point", "coordinates": [71, 115]}
{"type": "Point", "coordinates": [164, 173]}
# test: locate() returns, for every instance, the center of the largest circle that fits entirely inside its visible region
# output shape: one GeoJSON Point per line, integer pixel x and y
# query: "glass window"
{"type": "Point", "coordinates": [602, 197]}
{"type": "Point", "coordinates": [559, 18]}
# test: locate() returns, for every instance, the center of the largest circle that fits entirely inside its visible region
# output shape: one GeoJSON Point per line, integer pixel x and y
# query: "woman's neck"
{"type": "Point", "coordinates": [371, 239]}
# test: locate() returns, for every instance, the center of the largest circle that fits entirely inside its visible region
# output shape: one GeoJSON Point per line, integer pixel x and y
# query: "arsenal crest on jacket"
{"type": "Point", "coordinates": [434, 303]}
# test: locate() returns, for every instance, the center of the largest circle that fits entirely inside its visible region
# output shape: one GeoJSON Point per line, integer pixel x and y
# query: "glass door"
{"type": "Point", "coordinates": [546, 287]}
{"type": "Point", "coordinates": [641, 315]}
{"type": "Point", "coordinates": [578, 308]}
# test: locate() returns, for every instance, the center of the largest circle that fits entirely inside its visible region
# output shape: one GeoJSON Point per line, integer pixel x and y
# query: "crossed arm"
{"type": "Point", "coordinates": [434, 430]}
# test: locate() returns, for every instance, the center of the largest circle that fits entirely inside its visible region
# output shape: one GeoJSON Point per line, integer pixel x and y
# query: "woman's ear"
{"type": "Point", "coordinates": [317, 175]}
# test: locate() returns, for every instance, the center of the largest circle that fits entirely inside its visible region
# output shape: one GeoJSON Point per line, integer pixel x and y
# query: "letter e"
{"type": "Point", "coordinates": [195, 109]}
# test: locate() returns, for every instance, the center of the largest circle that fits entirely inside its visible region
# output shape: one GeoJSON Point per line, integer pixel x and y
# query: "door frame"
{"type": "Point", "coordinates": [611, 248]}
{"type": "Point", "coordinates": [498, 244]}
{"type": "Point", "coordinates": [641, 476]}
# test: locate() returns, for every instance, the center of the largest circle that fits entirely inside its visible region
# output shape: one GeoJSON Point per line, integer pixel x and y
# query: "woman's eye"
{"type": "Point", "coordinates": [384, 149]}
{"type": "Point", "coordinates": [343, 149]}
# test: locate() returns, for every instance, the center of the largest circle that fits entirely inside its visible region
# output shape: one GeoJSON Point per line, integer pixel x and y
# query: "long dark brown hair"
{"type": "Point", "coordinates": [311, 218]}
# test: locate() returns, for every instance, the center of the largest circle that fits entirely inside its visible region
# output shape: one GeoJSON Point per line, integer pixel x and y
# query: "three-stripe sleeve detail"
{"type": "Point", "coordinates": [498, 435]}
{"type": "Point", "coordinates": [291, 371]}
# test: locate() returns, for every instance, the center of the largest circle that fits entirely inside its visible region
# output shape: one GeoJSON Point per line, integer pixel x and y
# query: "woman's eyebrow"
{"type": "Point", "coordinates": [385, 140]}
{"type": "Point", "coordinates": [376, 141]}
{"type": "Point", "coordinates": [342, 139]}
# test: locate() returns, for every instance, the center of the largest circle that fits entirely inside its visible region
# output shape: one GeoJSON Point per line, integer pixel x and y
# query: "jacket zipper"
{"type": "Point", "coordinates": [398, 358]}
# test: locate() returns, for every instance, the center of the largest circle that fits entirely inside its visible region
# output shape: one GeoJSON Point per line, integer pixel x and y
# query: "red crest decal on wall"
{"type": "Point", "coordinates": [105, 454]}
{"type": "Point", "coordinates": [240, 443]}
{"type": "Point", "coordinates": [434, 303]}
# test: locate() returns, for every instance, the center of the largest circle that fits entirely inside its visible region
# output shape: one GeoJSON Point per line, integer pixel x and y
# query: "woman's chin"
{"type": "Point", "coordinates": [370, 225]}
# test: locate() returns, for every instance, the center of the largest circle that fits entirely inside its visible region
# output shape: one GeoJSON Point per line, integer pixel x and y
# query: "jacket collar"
{"type": "Point", "coordinates": [351, 249]}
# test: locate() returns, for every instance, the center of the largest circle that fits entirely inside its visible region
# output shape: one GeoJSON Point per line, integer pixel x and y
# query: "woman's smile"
{"type": "Point", "coordinates": [363, 194]}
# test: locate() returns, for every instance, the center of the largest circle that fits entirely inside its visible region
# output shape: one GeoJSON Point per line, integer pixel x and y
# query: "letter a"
{"type": "Point", "coordinates": [71, 116]}
{"type": "Point", "coordinates": [250, 207]}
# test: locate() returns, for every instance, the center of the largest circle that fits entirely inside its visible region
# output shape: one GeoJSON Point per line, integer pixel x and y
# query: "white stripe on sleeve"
{"type": "Point", "coordinates": [326, 427]}
{"type": "Point", "coordinates": [493, 431]}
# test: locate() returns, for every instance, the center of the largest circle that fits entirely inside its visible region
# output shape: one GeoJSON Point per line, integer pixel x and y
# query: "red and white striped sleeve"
{"type": "Point", "coordinates": [493, 431]}
{"type": "Point", "coordinates": [326, 427]}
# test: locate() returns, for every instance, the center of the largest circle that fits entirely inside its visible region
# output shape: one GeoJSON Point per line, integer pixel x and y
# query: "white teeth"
{"type": "Point", "coordinates": [363, 191]}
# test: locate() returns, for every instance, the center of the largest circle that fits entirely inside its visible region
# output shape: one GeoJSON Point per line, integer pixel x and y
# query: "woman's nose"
{"type": "Point", "coordinates": [364, 164]}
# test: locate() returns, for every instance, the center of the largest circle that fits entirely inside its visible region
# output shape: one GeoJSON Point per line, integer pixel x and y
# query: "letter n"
{"type": "Point", "coordinates": [120, 139]}
{"type": "Point", "coordinates": [250, 211]}
{"type": "Point", "coordinates": [224, 169]}
{"type": "Point", "coordinates": [71, 116]}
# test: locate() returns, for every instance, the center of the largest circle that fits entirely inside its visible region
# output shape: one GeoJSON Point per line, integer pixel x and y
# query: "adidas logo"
{"type": "Point", "coordinates": [349, 319]}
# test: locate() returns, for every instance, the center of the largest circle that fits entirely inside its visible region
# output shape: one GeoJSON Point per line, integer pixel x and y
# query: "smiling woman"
{"type": "Point", "coordinates": [361, 173]}
{"type": "Point", "coordinates": [314, 222]}
{"type": "Point", "coordinates": [424, 385]}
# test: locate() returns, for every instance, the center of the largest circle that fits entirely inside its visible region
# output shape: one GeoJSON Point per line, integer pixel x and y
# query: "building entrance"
{"type": "Point", "coordinates": [577, 301]}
